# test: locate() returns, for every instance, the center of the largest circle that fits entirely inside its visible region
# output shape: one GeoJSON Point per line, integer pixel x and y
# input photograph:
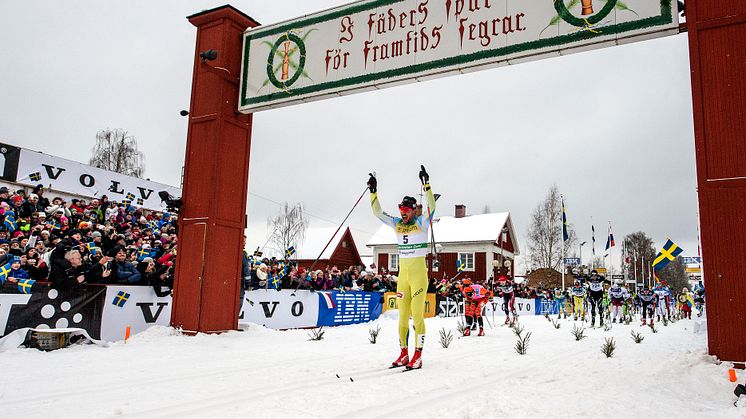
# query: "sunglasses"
{"type": "Point", "coordinates": [404, 208]}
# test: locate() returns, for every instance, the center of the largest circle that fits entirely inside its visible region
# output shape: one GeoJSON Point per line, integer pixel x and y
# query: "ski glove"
{"type": "Point", "coordinates": [424, 177]}
{"type": "Point", "coordinates": [372, 183]}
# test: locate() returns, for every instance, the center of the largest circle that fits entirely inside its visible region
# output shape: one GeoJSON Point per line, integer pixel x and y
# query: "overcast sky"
{"type": "Point", "coordinates": [612, 127]}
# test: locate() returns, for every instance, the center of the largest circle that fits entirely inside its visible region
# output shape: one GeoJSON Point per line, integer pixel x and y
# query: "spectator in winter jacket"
{"type": "Point", "coordinates": [125, 270]}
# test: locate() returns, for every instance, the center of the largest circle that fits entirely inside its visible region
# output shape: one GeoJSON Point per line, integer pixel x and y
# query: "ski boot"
{"type": "Point", "coordinates": [507, 320]}
{"type": "Point", "coordinates": [416, 362]}
{"type": "Point", "coordinates": [481, 331]}
{"type": "Point", "coordinates": [593, 321]}
{"type": "Point", "coordinates": [473, 326]}
{"type": "Point", "coordinates": [614, 321]}
{"type": "Point", "coordinates": [467, 331]}
{"type": "Point", "coordinates": [644, 322]}
{"type": "Point", "coordinates": [403, 359]}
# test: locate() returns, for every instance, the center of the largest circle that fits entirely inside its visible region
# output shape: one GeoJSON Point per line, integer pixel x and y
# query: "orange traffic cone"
{"type": "Point", "coordinates": [127, 332]}
{"type": "Point", "coordinates": [732, 375]}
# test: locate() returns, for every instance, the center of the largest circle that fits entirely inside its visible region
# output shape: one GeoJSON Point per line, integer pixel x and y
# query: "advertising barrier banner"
{"type": "Point", "coordinates": [341, 308]}
{"type": "Point", "coordinates": [105, 312]}
{"type": "Point", "coordinates": [390, 302]}
{"type": "Point", "coordinates": [280, 309]}
{"type": "Point", "coordinates": [48, 308]}
{"type": "Point", "coordinates": [137, 307]}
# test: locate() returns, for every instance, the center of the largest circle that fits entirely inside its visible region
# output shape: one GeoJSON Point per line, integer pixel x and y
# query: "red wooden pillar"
{"type": "Point", "coordinates": [717, 48]}
{"type": "Point", "coordinates": [212, 219]}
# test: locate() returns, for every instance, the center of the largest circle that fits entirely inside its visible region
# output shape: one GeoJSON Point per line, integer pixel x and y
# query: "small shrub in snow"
{"type": "Point", "coordinates": [608, 347]}
{"type": "Point", "coordinates": [518, 330]}
{"type": "Point", "coordinates": [374, 334]}
{"type": "Point", "coordinates": [317, 334]}
{"type": "Point", "coordinates": [652, 328]}
{"type": "Point", "coordinates": [460, 327]}
{"type": "Point", "coordinates": [521, 347]}
{"type": "Point", "coordinates": [578, 332]}
{"type": "Point", "coordinates": [637, 337]}
{"type": "Point", "coordinates": [445, 337]}
{"type": "Point", "coordinates": [556, 324]}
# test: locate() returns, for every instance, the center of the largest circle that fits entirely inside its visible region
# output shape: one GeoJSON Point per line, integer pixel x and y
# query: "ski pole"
{"type": "Point", "coordinates": [330, 240]}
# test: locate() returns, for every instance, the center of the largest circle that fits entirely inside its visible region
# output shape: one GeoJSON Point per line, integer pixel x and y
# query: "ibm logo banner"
{"type": "Point", "coordinates": [341, 308]}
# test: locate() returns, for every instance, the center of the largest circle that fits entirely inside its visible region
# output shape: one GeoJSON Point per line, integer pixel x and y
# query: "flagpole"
{"type": "Point", "coordinates": [593, 243]}
{"type": "Point", "coordinates": [562, 234]}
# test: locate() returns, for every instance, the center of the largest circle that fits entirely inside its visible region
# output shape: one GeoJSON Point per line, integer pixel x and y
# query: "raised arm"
{"type": "Point", "coordinates": [376, 204]}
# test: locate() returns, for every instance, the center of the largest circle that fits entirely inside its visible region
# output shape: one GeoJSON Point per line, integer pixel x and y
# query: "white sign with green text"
{"type": "Point", "coordinates": [369, 45]}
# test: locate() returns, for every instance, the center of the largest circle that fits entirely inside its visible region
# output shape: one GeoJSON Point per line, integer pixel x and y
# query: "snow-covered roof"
{"type": "Point", "coordinates": [473, 228]}
{"type": "Point", "coordinates": [314, 241]}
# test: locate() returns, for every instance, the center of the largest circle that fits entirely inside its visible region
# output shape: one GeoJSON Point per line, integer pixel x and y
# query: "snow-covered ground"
{"type": "Point", "coordinates": [261, 373]}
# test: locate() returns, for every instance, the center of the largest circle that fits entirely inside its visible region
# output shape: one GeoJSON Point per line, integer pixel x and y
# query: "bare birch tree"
{"type": "Point", "coordinates": [288, 227]}
{"type": "Point", "coordinates": [545, 242]}
{"type": "Point", "coordinates": [116, 150]}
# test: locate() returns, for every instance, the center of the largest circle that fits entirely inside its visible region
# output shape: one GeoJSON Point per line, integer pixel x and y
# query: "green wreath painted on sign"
{"type": "Point", "coordinates": [564, 13]}
{"type": "Point", "coordinates": [589, 23]}
{"type": "Point", "coordinates": [300, 46]}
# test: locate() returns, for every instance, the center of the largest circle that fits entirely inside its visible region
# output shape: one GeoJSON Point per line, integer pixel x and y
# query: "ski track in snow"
{"type": "Point", "coordinates": [262, 373]}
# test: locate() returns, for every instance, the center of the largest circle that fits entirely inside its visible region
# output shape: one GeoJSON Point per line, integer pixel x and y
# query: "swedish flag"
{"type": "Point", "coordinates": [143, 253]}
{"type": "Point", "coordinates": [130, 196]}
{"type": "Point", "coordinates": [24, 285]}
{"type": "Point", "coordinates": [140, 202]}
{"type": "Point", "coordinates": [290, 252]}
{"type": "Point", "coordinates": [91, 246]}
{"type": "Point", "coordinates": [35, 177]}
{"type": "Point", "coordinates": [152, 224]}
{"type": "Point", "coordinates": [666, 255]}
{"type": "Point", "coordinates": [4, 271]}
{"type": "Point", "coordinates": [565, 236]}
{"type": "Point", "coordinates": [121, 299]}
{"type": "Point", "coordinates": [10, 222]}
{"type": "Point", "coordinates": [460, 265]}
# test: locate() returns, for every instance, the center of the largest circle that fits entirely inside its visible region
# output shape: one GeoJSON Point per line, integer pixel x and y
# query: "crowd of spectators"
{"type": "Point", "coordinates": [277, 274]}
{"type": "Point", "coordinates": [73, 243]}
{"type": "Point", "coordinates": [104, 242]}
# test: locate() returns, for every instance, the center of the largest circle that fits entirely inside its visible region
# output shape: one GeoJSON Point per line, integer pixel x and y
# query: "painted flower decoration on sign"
{"type": "Point", "coordinates": [287, 60]}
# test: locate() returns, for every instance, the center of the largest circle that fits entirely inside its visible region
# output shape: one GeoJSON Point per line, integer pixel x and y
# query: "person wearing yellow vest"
{"type": "Point", "coordinates": [412, 234]}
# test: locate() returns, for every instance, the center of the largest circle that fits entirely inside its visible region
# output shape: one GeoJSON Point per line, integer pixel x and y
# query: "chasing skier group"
{"type": "Point", "coordinates": [613, 301]}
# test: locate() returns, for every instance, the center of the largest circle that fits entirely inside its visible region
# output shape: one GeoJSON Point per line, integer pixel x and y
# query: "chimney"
{"type": "Point", "coordinates": [460, 211]}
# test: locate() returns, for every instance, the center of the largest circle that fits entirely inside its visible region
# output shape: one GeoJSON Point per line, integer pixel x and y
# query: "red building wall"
{"type": "Point", "coordinates": [717, 49]}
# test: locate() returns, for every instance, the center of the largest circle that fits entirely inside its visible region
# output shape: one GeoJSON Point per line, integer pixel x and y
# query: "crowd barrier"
{"type": "Point", "coordinates": [105, 311]}
{"type": "Point", "coordinates": [451, 307]}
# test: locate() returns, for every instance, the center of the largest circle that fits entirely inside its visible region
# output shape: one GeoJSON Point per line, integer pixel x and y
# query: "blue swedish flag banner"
{"type": "Point", "coordinates": [25, 284]}
{"type": "Point", "coordinates": [290, 252]}
{"type": "Point", "coordinates": [460, 266]}
{"type": "Point", "coordinates": [121, 299]}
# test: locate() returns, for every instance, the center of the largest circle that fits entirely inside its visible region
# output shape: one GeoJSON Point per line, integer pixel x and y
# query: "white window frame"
{"type": "Point", "coordinates": [467, 266]}
{"type": "Point", "coordinates": [393, 267]}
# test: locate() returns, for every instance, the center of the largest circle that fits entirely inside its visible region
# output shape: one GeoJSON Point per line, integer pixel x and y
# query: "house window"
{"type": "Point", "coordinates": [468, 260]}
{"type": "Point", "coordinates": [394, 262]}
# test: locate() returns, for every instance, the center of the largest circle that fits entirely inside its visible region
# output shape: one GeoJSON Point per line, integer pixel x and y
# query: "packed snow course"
{"type": "Point", "coordinates": [262, 373]}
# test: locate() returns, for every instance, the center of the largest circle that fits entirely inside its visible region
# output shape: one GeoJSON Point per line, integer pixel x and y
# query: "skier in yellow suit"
{"type": "Point", "coordinates": [412, 233]}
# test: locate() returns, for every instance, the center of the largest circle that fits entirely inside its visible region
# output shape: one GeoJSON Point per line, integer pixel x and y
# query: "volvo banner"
{"type": "Point", "coordinates": [31, 168]}
{"type": "Point", "coordinates": [372, 44]}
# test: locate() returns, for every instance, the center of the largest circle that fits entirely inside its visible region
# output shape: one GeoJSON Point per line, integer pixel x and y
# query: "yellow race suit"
{"type": "Point", "coordinates": [411, 289]}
